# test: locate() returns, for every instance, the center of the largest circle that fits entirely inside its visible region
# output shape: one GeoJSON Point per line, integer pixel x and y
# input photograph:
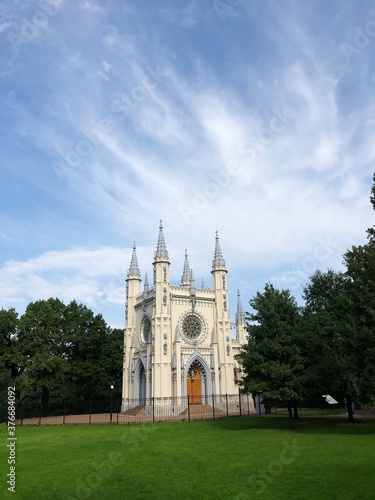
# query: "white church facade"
{"type": "Point", "coordinates": [179, 342]}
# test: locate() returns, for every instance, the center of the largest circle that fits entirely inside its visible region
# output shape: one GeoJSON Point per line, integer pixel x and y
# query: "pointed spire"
{"type": "Point", "coordinates": [161, 252]}
{"type": "Point", "coordinates": [240, 315]}
{"type": "Point", "coordinates": [192, 282]}
{"type": "Point", "coordinates": [133, 270]}
{"type": "Point", "coordinates": [218, 261]}
{"type": "Point", "coordinates": [185, 279]}
{"type": "Point", "coordinates": [146, 285]}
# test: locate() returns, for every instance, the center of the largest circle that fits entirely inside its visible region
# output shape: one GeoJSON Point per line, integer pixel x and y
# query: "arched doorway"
{"type": "Point", "coordinates": [142, 385]}
{"type": "Point", "coordinates": [194, 384]}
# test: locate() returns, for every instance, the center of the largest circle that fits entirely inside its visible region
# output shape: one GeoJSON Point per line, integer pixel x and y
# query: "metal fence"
{"type": "Point", "coordinates": [136, 410]}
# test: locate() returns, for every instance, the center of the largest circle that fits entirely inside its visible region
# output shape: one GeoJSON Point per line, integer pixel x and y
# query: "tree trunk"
{"type": "Point", "coordinates": [295, 411]}
{"type": "Point", "coordinates": [45, 395]}
{"type": "Point", "coordinates": [290, 410]}
{"type": "Point", "coordinates": [290, 419]}
{"type": "Point", "coordinates": [349, 407]}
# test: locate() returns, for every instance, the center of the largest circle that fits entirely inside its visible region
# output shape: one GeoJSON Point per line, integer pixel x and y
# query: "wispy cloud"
{"type": "Point", "coordinates": [255, 125]}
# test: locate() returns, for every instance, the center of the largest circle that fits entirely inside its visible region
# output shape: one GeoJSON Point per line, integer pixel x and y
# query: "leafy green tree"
{"type": "Point", "coordinates": [333, 344]}
{"type": "Point", "coordinates": [87, 336]}
{"type": "Point", "coordinates": [360, 264]}
{"type": "Point", "coordinates": [66, 352]}
{"type": "Point", "coordinates": [42, 349]}
{"type": "Point", "coordinates": [371, 230]}
{"type": "Point", "coordinates": [272, 362]}
{"type": "Point", "coordinates": [112, 359]}
{"type": "Point", "coordinates": [8, 355]}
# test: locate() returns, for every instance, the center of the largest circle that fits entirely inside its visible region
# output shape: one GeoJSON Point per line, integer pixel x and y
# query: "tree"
{"type": "Point", "coordinates": [112, 358]}
{"type": "Point", "coordinates": [8, 356]}
{"type": "Point", "coordinates": [42, 349]}
{"type": "Point", "coordinates": [360, 264]}
{"type": "Point", "coordinates": [331, 335]}
{"type": "Point", "coordinates": [271, 360]}
{"type": "Point", "coordinates": [371, 230]}
{"type": "Point", "coordinates": [87, 335]}
{"type": "Point", "coordinates": [66, 352]}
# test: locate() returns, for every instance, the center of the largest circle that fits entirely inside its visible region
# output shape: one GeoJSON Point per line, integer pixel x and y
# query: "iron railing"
{"type": "Point", "coordinates": [136, 410]}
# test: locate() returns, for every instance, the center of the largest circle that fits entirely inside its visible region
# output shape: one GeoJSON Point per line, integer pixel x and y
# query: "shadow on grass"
{"type": "Point", "coordinates": [305, 425]}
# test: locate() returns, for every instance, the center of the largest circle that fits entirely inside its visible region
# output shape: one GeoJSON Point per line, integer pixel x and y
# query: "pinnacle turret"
{"type": "Point", "coordinates": [185, 279]}
{"type": "Point", "coordinates": [218, 260]}
{"type": "Point", "coordinates": [161, 252]}
{"type": "Point", "coordinates": [146, 285]}
{"type": "Point", "coordinates": [133, 271]}
{"type": "Point", "coordinates": [192, 282]}
{"type": "Point", "coordinates": [240, 315]}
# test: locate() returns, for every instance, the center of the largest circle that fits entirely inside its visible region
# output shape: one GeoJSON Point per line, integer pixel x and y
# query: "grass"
{"type": "Point", "coordinates": [307, 412]}
{"type": "Point", "coordinates": [237, 458]}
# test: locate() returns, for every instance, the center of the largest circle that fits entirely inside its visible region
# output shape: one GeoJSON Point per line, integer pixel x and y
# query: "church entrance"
{"type": "Point", "coordinates": [142, 386]}
{"type": "Point", "coordinates": [194, 385]}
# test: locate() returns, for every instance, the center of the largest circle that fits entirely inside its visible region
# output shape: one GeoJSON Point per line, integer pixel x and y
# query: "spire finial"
{"type": "Point", "coordinates": [133, 270]}
{"type": "Point", "coordinates": [161, 252]}
{"type": "Point", "coordinates": [218, 261]}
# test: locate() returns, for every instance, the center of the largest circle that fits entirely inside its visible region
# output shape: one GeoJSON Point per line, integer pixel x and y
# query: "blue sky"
{"type": "Point", "coordinates": [253, 118]}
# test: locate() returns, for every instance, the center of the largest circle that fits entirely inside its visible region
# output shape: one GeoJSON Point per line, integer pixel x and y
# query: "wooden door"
{"type": "Point", "coordinates": [194, 388]}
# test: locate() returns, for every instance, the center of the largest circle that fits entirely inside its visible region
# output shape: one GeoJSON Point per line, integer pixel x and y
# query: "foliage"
{"type": "Point", "coordinates": [272, 361]}
{"type": "Point", "coordinates": [331, 335]}
{"type": "Point", "coordinates": [8, 354]}
{"type": "Point", "coordinates": [330, 348]}
{"type": "Point", "coordinates": [56, 351]}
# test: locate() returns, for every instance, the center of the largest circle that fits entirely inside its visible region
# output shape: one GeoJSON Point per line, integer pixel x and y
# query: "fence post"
{"type": "Point", "coordinates": [226, 399]}
{"type": "Point", "coordinates": [116, 411]}
{"type": "Point", "coordinates": [64, 412]}
{"type": "Point", "coordinates": [40, 412]}
{"type": "Point", "coordinates": [213, 406]}
{"type": "Point", "coordinates": [239, 398]}
{"type": "Point", "coordinates": [90, 411]}
{"type": "Point", "coordinates": [188, 408]}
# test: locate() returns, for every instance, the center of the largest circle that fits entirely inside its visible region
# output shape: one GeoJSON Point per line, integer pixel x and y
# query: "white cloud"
{"type": "Point", "coordinates": [260, 89]}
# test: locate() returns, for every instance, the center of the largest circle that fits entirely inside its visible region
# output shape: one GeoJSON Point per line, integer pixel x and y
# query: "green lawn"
{"type": "Point", "coordinates": [237, 458]}
{"type": "Point", "coordinates": [308, 412]}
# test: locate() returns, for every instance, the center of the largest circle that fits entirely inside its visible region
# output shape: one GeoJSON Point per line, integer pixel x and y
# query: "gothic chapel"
{"type": "Point", "coordinates": [178, 338]}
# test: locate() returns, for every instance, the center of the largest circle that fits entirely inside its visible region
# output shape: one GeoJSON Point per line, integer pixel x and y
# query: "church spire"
{"type": "Point", "coordinates": [218, 261]}
{"type": "Point", "coordinates": [240, 315]}
{"type": "Point", "coordinates": [185, 279]}
{"type": "Point", "coordinates": [192, 282]}
{"type": "Point", "coordinates": [133, 271]}
{"type": "Point", "coordinates": [161, 252]}
{"type": "Point", "coordinates": [146, 285]}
